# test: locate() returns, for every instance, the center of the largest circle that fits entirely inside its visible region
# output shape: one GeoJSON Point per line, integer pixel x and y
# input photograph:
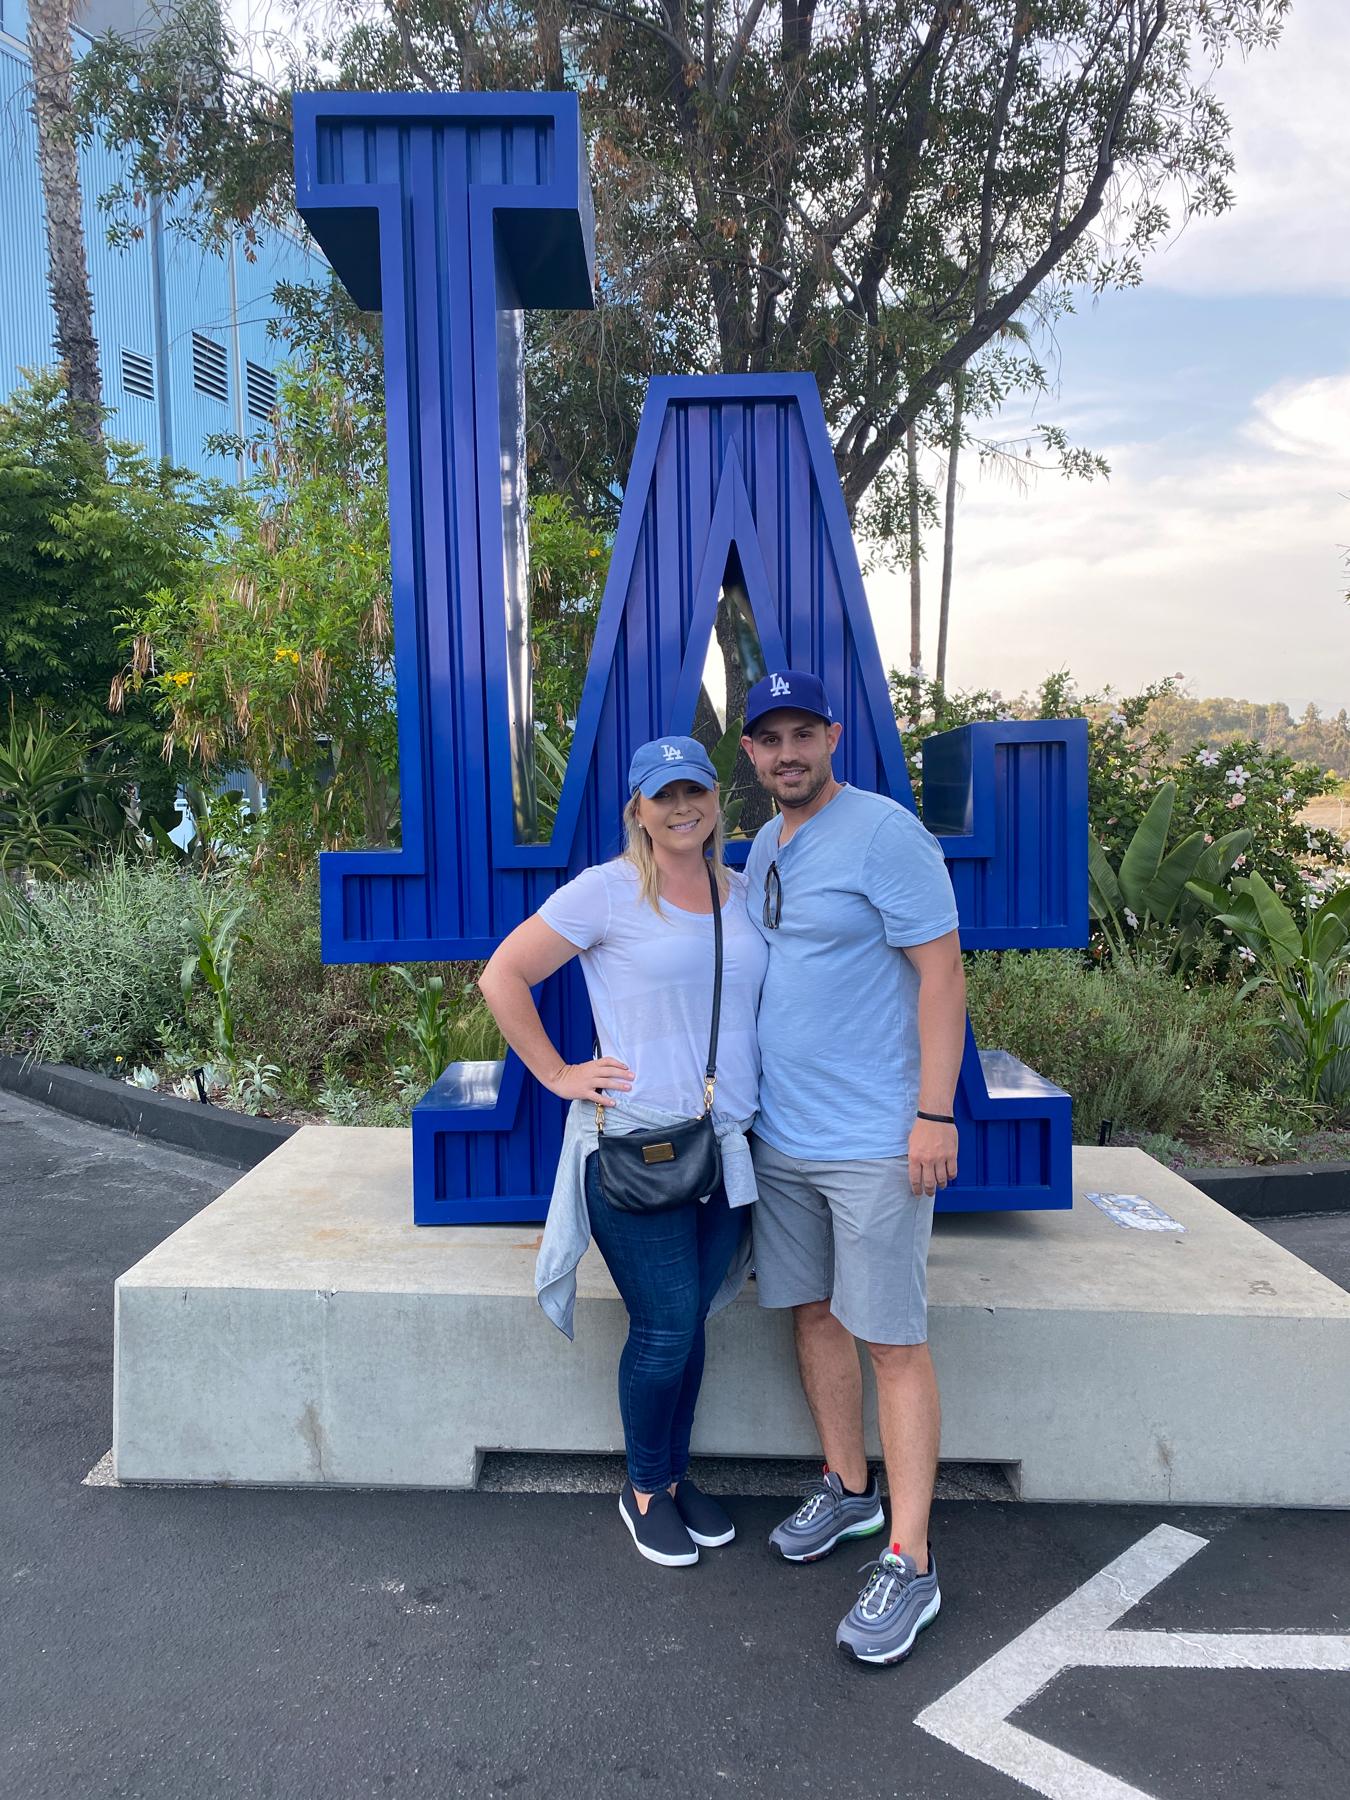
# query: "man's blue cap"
{"type": "Point", "coordinates": [669, 759]}
{"type": "Point", "coordinates": [783, 688]}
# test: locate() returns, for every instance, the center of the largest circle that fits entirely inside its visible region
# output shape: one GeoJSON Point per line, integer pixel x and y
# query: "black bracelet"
{"type": "Point", "coordinates": [937, 1118]}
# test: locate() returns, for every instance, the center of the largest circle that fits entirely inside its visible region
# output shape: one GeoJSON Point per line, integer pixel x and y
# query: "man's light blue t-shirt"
{"type": "Point", "coordinates": [838, 1015]}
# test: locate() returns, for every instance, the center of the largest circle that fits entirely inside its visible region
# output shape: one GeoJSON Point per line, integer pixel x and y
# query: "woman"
{"type": "Point", "coordinates": [643, 926]}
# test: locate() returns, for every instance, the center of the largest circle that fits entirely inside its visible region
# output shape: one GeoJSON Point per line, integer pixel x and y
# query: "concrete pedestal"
{"type": "Point", "coordinates": [302, 1330]}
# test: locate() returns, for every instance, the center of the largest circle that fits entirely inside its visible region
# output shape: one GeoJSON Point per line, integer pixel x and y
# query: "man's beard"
{"type": "Point", "coordinates": [816, 782]}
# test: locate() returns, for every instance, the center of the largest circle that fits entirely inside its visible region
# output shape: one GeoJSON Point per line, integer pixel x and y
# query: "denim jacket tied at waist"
{"type": "Point", "coordinates": [567, 1233]}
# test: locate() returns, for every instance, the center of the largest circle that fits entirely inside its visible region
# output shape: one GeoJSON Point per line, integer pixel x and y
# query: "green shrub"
{"type": "Point", "coordinates": [90, 972]}
{"type": "Point", "coordinates": [289, 1008]}
{"type": "Point", "coordinates": [1130, 1044]}
{"type": "Point", "coordinates": [44, 783]}
{"type": "Point", "coordinates": [89, 969]}
{"type": "Point", "coordinates": [311, 1019]}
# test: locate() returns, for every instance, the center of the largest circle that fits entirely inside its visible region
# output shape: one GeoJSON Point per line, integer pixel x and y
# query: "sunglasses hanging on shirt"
{"type": "Point", "coordinates": [773, 898]}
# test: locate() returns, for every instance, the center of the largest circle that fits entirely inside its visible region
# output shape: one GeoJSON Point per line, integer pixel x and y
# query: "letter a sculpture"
{"type": "Point", "coordinates": [452, 215]}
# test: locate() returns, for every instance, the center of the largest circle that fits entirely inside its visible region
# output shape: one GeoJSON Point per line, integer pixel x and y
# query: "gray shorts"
{"type": "Point", "coordinates": [852, 1233]}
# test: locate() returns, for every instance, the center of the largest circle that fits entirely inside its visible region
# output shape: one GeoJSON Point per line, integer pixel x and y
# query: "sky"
{"type": "Point", "coordinates": [1219, 392]}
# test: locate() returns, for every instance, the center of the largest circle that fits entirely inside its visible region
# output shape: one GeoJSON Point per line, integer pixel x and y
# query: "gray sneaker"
{"type": "Point", "coordinates": [826, 1517]}
{"type": "Point", "coordinates": [893, 1608]}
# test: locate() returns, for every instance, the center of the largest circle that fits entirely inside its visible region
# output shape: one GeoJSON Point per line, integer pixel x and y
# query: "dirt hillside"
{"type": "Point", "coordinates": [1329, 813]}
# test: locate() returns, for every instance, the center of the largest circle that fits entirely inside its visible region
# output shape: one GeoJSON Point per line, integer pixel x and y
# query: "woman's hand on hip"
{"type": "Point", "coordinates": [586, 1081]}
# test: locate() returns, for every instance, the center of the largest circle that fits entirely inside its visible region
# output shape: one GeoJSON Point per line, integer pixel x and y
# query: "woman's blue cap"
{"type": "Point", "coordinates": [669, 759]}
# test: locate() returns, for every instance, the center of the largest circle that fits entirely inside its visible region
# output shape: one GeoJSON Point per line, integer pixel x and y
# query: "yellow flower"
{"type": "Point", "coordinates": [181, 677]}
{"type": "Point", "coordinates": [284, 655]}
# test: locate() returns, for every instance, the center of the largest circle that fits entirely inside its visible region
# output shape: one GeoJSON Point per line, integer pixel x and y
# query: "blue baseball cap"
{"type": "Point", "coordinates": [787, 688]}
{"type": "Point", "coordinates": [669, 759]}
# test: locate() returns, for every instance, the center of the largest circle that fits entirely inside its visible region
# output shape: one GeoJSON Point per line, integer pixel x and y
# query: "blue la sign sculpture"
{"type": "Point", "coordinates": [452, 215]}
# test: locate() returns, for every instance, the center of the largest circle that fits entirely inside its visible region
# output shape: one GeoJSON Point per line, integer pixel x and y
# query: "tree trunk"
{"type": "Point", "coordinates": [49, 26]}
{"type": "Point", "coordinates": [915, 582]}
{"type": "Point", "coordinates": [949, 527]}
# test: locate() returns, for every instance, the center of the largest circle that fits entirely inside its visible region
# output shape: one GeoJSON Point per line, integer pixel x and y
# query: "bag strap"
{"type": "Point", "coordinates": [710, 1073]}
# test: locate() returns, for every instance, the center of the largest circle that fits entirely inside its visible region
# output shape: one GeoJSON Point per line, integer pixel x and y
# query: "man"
{"type": "Point", "coordinates": [862, 1025]}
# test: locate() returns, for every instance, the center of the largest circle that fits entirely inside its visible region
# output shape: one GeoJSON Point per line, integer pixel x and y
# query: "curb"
{"type": "Point", "coordinates": [224, 1136]}
{"type": "Point", "coordinates": [1276, 1190]}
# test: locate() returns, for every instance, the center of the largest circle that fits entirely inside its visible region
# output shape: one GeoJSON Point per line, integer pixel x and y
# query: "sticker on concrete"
{"type": "Point", "coordinates": [973, 1716]}
{"type": "Point", "coordinates": [1136, 1212]}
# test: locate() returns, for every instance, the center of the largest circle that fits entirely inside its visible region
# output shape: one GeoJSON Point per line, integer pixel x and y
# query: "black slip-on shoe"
{"type": "Point", "coordinates": [705, 1520]}
{"type": "Point", "coordinates": [659, 1533]}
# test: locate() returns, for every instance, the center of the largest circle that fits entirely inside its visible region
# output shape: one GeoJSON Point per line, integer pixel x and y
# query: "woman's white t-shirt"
{"type": "Point", "coordinates": [649, 976]}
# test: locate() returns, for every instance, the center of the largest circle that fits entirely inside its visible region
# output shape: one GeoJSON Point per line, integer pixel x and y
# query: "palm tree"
{"type": "Point", "coordinates": [49, 29]}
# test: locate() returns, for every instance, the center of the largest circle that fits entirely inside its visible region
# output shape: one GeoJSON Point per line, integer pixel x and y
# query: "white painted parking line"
{"type": "Point", "coordinates": [973, 1716]}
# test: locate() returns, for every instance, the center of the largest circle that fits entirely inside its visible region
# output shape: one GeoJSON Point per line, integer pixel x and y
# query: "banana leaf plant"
{"type": "Point", "coordinates": [550, 771]}
{"type": "Point", "coordinates": [723, 757]}
{"type": "Point", "coordinates": [217, 932]}
{"type": "Point", "coordinates": [1155, 885]}
{"type": "Point", "coordinates": [1308, 969]}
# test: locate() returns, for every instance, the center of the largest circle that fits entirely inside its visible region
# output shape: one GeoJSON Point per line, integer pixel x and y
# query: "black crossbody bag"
{"type": "Point", "coordinates": [656, 1171]}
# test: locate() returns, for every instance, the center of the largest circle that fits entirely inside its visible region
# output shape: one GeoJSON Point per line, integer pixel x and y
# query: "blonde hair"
{"type": "Point", "coordinates": [637, 849]}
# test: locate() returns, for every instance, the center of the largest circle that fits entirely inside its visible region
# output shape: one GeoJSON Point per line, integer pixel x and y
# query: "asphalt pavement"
{"type": "Point", "coordinates": [187, 1642]}
{"type": "Point", "coordinates": [1319, 1239]}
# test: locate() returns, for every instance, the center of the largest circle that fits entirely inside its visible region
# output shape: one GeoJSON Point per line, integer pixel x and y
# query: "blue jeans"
{"type": "Point", "coordinates": [667, 1267]}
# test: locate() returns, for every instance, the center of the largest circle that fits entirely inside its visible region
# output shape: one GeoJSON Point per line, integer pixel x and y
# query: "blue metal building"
{"type": "Point", "coordinates": [182, 333]}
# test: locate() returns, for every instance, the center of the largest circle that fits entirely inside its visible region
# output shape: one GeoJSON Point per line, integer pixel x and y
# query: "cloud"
{"type": "Point", "coordinates": [1289, 231]}
{"type": "Point", "coordinates": [1305, 419]}
{"type": "Point", "coordinates": [1225, 566]}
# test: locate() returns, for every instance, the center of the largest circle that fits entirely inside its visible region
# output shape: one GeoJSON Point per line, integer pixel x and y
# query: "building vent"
{"type": "Point", "coordinates": [138, 374]}
{"type": "Point", "coordinates": [261, 388]}
{"type": "Point", "coordinates": [209, 374]}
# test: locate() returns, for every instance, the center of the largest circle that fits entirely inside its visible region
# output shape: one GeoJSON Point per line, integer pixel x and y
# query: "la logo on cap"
{"type": "Point", "coordinates": [778, 686]}
{"type": "Point", "coordinates": [670, 753]}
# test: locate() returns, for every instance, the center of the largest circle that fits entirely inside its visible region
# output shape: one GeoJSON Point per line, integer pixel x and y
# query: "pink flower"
{"type": "Point", "coordinates": [1236, 800]}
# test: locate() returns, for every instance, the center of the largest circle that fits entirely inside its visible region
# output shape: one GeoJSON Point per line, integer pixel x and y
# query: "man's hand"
{"type": "Point", "coordinates": [932, 1156]}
